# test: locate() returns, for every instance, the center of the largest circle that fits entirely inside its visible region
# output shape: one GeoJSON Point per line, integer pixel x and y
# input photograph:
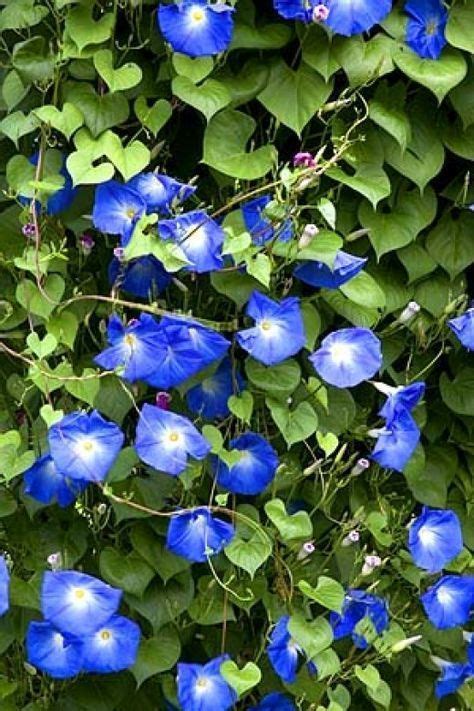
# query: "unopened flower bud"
{"type": "Point", "coordinates": [163, 400]}
{"type": "Point", "coordinates": [101, 509]}
{"type": "Point", "coordinates": [405, 643]}
{"type": "Point", "coordinates": [370, 563]}
{"type": "Point", "coordinates": [118, 253]}
{"type": "Point", "coordinates": [86, 244]}
{"type": "Point", "coordinates": [304, 183]}
{"type": "Point", "coordinates": [306, 550]}
{"type": "Point", "coordinates": [409, 312]}
{"type": "Point", "coordinates": [304, 160]}
{"type": "Point", "coordinates": [310, 231]}
{"type": "Point", "coordinates": [351, 538]}
{"type": "Point", "coordinates": [28, 230]}
{"type": "Point", "coordinates": [360, 466]}
{"type": "Point", "coordinates": [55, 561]}
{"type": "Point", "coordinates": [320, 13]}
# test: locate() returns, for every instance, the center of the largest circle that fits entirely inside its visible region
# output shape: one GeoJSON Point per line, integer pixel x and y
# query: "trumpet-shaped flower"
{"type": "Point", "coordinates": [463, 328]}
{"type": "Point", "coordinates": [117, 209]}
{"type": "Point", "coordinates": [45, 483]}
{"type": "Point", "coordinates": [450, 601]}
{"type": "Point", "coordinates": [318, 274]}
{"type": "Point", "coordinates": [208, 344]}
{"type": "Point", "coordinates": [198, 236]}
{"type": "Point", "coordinates": [348, 357]}
{"type": "Point", "coordinates": [359, 605]}
{"type": "Point", "coordinates": [144, 277]}
{"type": "Point", "coordinates": [195, 27]}
{"type": "Point", "coordinates": [406, 398]}
{"type": "Point", "coordinates": [113, 647]}
{"type": "Point", "coordinates": [4, 586]}
{"type": "Point", "coordinates": [76, 603]}
{"type": "Point", "coordinates": [278, 332]}
{"type": "Point", "coordinates": [196, 535]}
{"type": "Point", "coordinates": [84, 446]}
{"type": "Point", "coordinates": [425, 27]}
{"type": "Point", "coordinates": [166, 441]}
{"type": "Point", "coordinates": [435, 539]}
{"type": "Point", "coordinates": [209, 398]}
{"type": "Point", "coordinates": [59, 655]}
{"type": "Point", "coordinates": [397, 441]}
{"type": "Point", "coordinates": [260, 226]}
{"type": "Point", "coordinates": [160, 192]}
{"type": "Point", "coordinates": [255, 469]}
{"type": "Point", "coordinates": [453, 676]}
{"type": "Point", "coordinates": [283, 652]}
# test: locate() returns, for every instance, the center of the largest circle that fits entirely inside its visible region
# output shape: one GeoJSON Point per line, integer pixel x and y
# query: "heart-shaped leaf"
{"type": "Point", "coordinates": [41, 348]}
{"type": "Point", "coordinates": [121, 79]}
{"type": "Point", "coordinates": [153, 117]}
{"type": "Point", "coordinates": [242, 680]}
{"type": "Point", "coordinates": [328, 442]}
{"type": "Point", "coordinates": [196, 69]}
{"type": "Point", "coordinates": [66, 121]}
{"type": "Point", "coordinates": [208, 98]}
{"type": "Point", "coordinates": [298, 525]}
{"type": "Point", "coordinates": [438, 75]}
{"type": "Point", "coordinates": [16, 125]}
{"type": "Point", "coordinates": [82, 170]}
{"type": "Point", "coordinates": [128, 160]}
{"type": "Point", "coordinates": [83, 29]}
{"type": "Point", "coordinates": [100, 111]}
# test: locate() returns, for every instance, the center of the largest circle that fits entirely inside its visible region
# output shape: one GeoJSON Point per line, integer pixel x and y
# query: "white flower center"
{"type": "Point", "coordinates": [202, 685]}
{"type": "Point", "coordinates": [444, 597]}
{"type": "Point", "coordinates": [197, 15]}
{"type": "Point", "coordinates": [427, 536]}
{"type": "Point", "coordinates": [79, 597]}
{"type": "Point", "coordinates": [341, 353]}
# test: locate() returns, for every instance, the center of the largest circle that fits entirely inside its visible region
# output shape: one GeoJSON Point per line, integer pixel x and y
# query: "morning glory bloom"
{"type": "Point", "coordinates": [282, 651]}
{"type": "Point", "coordinates": [143, 277]}
{"type": "Point", "coordinates": [406, 397]}
{"type": "Point", "coordinates": [136, 347]}
{"type": "Point", "coordinates": [450, 601]}
{"type": "Point", "coordinates": [396, 442]}
{"type": "Point", "coordinates": [196, 28]}
{"type": "Point", "coordinates": [45, 483]}
{"type": "Point", "coordinates": [209, 397]}
{"type": "Point", "coordinates": [453, 676]}
{"type": "Point", "coordinates": [318, 274]}
{"type": "Point", "coordinates": [77, 603]}
{"type": "Point", "coordinates": [208, 344]}
{"type": "Point", "coordinates": [160, 191]}
{"type": "Point", "coordinates": [196, 535]}
{"type": "Point", "coordinates": [425, 27]}
{"type": "Point", "coordinates": [255, 469]}
{"type": "Point", "coordinates": [278, 332]}
{"type": "Point", "coordinates": [274, 701]}
{"type": "Point", "coordinates": [260, 226]}
{"type": "Point", "coordinates": [113, 647]}
{"type": "Point", "coordinates": [4, 586]}
{"type": "Point", "coordinates": [166, 441]}
{"type": "Point", "coordinates": [463, 328]}
{"type": "Point", "coordinates": [198, 236]}
{"type": "Point", "coordinates": [117, 209]}
{"type": "Point", "coordinates": [84, 446]}
{"type": "Point", "coordinates": [49, 650]}
{"type": "Point", "coordinates": [348, 357]}
{"type": "Point", "coordinates": [344, 17]}
{"type": "Point", "coordinates": [435, 539]}
{"type": "Point", "coordinates": [359, 605]}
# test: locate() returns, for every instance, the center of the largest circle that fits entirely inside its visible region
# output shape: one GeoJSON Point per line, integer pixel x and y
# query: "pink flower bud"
{"type": "Point", "coordinates": [320, 13]}
{"type": "Point", "coordinates": [28, 230]}
{"type": "Point", "coordinates": [352, 537]}
{"type": "Point", "coordinates": [86, 244]}
{"type": "Point", "coordinates": [304, 160]}
{"type": "Point", "coordinates": [360, 466]}
{"type": "Point", "coordinates": [163, 400]}
{"type": "Point", "coordinates": [118, 253]}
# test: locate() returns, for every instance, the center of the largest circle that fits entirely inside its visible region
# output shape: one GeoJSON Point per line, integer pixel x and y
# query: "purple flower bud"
{"type": "Point", "coordinates": [306, 550]}
{"type": "Point", "coordinates": [409, 312]}
{"type": "Point", "coordinates": [352, 537]}
{"type": "Point", "coordinates": [320, 13]}
{"type": "Point", "coordinates": [118, 253]}
{"type": "Point", "coordinates": [28, 230]}
{"type": "Point", "coordinates": [55, 561]}
{"type": "Point", "coordinates": [304, 160]}
{"type": "Point", "coordinates": [163, 400]}
{"type": "Point", "coordinates": [86, 244]}
{"type": "Point", "coordinates": [360, 466]}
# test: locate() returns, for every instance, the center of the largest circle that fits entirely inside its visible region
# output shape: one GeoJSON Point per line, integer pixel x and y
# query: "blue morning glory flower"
{"type": "Point", "coordinates": [117, 209]}
{"type": "Point", "coordinates": [77, 603]}
{"type": "Point", "coordinates": [344, 17]}
{"type": "Point", "coordinates": [201, 687]}
{"type": "Point", "coordinates": [435, 539]}
{"type": "Point", "coordinates": [282, 651]}
{"type": "Point", "coordinates": [195, 27]}
{"type": "Point", "coordinates": [255, 469]}
{"type": "Point", "coordinates": [198, 236]}
{"type": "Point", "coordinates": [453, 676]}
{"type": "Point", "coordinates": [60, 200]}
{"type": "Point", "coordinates": [450, 601]}
{"type": "Point", "coordinates": [113, 647]}
{"type": "Point", "coordinates": [260, 226]}
{"type": "Point", "coordinates": [45, 483]}
{"type": "Point", "coordinates": [209, 397]}
{"type": "Point", "coordinates": [296, 9]}
{"type": "Point", "coordinates": [136, 347]}
{"type": "Point", "coordinates": [84, 446]}
{"type": "Point", "coordinates": [143, 277]}
{"type": "Point", "coordinates": [160, 191]}
{"type": "Point", "coordinates": [165, 440]}
{"type": "Point", "coordinates": [397, 441]}
{"type": "Point", "coordinates": [463, 328]}
{"type": "Point", "coordinates": [278, 332]}
{"type": "Point", "coordinates": [318, 274]}
{"type": "Point", "coordinates": [4, 586]}
{"type": "Point", "coordinates": [406, 397]}
{"type": "Point", "coordinates": [273, 702]}
{"type": "Point", "coordinates": [209, 344]}
{"type": "Point", "coordinates": [49, 650]}
{"type": "Point", "coordinates": [359, 605]}
{"type": "Point", "coordinates": [348, 357]}
{"type": "Point", "coordinates": [197, 535]}
{"type": "Point", "coordinates": [425, 27]}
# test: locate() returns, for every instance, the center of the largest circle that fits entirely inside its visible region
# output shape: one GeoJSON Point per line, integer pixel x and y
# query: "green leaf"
{"type": "Point", "coordinates": [13, 89]}
{"type": "Point", "coordinates": [130, 159]}
{"type": "Point", "coordinates": [157, 655]}
{"type": "Point", "coordinates": [459, 27]}
{"type": "Point", "coordinates": [247, 36]}
{"type": "Point", "coordinates": [313, 637]}
{"type": "Point", "coordinates": [125, 77]}
{"type": "Point", "coordinates": [328, 442]}
{"type": "Point", "coordinates": [247, 84]}
{"type": "Point", "coordinates": [242, 680]}
{"type": "Point", "coordinates": [208, 98]}
{"type": "Point", "coordinates": [242, 406]}
{"type": "Point", "coordinates": [356, 314]}
{"type": "Point", "coordinates": [280, 379]}
{"type": "Point", "coordinates": [64, 326]}
{"type": "Point", "coordinates": [30, 297]}
{"type": "Point", "coordinates": [295, 425]}
{"type": "Point", "coordinates": [450, 243]}
{"type": "Point", "coordinates": [123, 466]}
{"type": "Point", "coordinates": [459, 141]}
{"type": "Point", "coordinates": [377, 689]}
{"type": "Point", "coordinates": [41, 348]}
{"type": "Point", "coordinates": [100, 111]}
{"type": "Point", "coordinates": [318, 50]}
{"type": "Point", "coordinates": [294, 97]}
{"type": "Point", "coordinates": [194, 68]}
{"type": "Point", "coordinates": [369, 180]}
{"type": "Point", "coordinates": [322, 248]}
{"type": "Point", "coordinates": [328, 664]}
{"type": "Point", "coordinates": [128, 572]}
{"type": "Point", "coordinates": [260, 268]}
{"type": "Point", "coordinates": [153, 117]}
{"type": "Point", "coordinates": [386, 110]}
{"type": "Point", "coordinates": [364, 60]}
{"type": "Point", "coordinates": [312, 324]}
{"type": "Point", "coordinates": [294, 527]}
{"type": "Point", "coordinates": [416, 261]}
{"type": "Point", "coordinates": [17, 125]}
{"type": "Point", "coordinates": [32, 60]}
{"type": "Point", "coordinates": [458, 394]}
{"type": "Point", "coordinates": [21, 14]}
{"type": "Point", "coordinates": [87, 389]}
{"type": "Point", "coordinates": [462, 98]}
{"type": "Point", "coordinates": [51, 416]}
{"type": "Point", "coordinates": [249, 552]}
{"type": "Point", "coordinates": [234, 285]}
{"type": "Point", "coordinates": [160, 603]}
{"type": "Point", "coordinates": [225, 141]}
{"type": "Point", "coordinates": [437, 75]}
{"type": "Point", "coordinates": [364, 290]}
{"type": "Point", "coordinates": [328, 592]}
{"type": "Point", "coordinates": [20, 173]}
{"type": "Point", "coordinates": [83, 29]}
{"type": "Point", "coordinates": [66, 121]}
{"type": "Point", "coordinates": [152, 549]}
{"type": "Point", "coordinates": [12, 463]}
